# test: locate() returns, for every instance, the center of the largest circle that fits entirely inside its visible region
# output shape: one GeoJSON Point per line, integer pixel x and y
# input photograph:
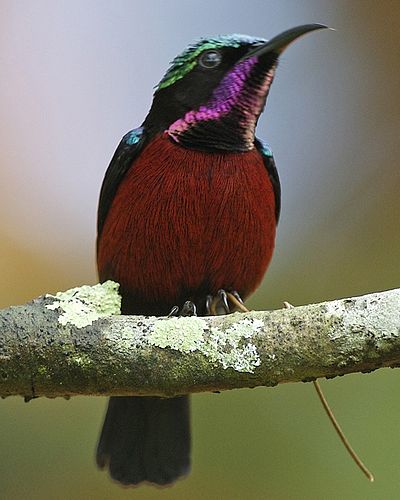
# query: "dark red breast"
{"type": "Point", "coordinates": [186, 223]}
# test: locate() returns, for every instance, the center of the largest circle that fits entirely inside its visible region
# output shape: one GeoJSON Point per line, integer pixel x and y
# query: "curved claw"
{"type": "Point", "coordinates": [237, 302]}
{"type": "Point", "coordinates": [209, 301]}
{"type": "Point", "coordinates": [237, 296]}
{"type": "Point", "coordinates": [173, 312]}
{"type": "Point", "coordinates": [224, 299]}
{"type": "Point", "coordinates": [224, 303]}
{"type": "Point", "coordinates": [188, 309]}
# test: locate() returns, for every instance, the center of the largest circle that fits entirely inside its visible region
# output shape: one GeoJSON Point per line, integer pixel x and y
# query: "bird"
{"type": "Point", "coordinates": [187, 217]}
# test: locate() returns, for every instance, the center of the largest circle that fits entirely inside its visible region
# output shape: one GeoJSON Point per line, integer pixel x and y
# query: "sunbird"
{"type": "Point", "coordinates": [187, 220]}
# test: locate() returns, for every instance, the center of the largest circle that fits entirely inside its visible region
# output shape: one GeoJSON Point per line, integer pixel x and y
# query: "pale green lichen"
{"type": "Point", "coordinates": [83, 305]}
{"type": "Point", "coordinates": [231, 348]}
{"type": "Point", "coordinates": [125, 337]}
{"type": "Point", "coordinates": [182, 334]}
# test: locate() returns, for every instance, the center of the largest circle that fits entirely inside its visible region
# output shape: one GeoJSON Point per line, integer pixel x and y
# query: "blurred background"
{"type": "Point", "coordinates": [75, 76]}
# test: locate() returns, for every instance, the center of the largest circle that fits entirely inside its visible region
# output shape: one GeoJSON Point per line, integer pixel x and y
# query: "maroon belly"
{"type": "Point", "coordinates": [186, 223]}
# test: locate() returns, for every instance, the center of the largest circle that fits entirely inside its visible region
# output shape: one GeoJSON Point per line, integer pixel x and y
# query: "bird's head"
{"type": "Point", "coordinates": [214, 92]}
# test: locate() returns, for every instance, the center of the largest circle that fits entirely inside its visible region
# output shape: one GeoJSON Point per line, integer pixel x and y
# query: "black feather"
{"type": "Point", "coordinates": [146, 439]}
{"type": "Point", "coordinates": [269, 163]}
{"type": "Point", "coordinates": [128, 149]}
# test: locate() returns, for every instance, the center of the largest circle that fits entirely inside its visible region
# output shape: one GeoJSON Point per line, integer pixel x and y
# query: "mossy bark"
{"type": "Point", "coordinates": [136, 355]}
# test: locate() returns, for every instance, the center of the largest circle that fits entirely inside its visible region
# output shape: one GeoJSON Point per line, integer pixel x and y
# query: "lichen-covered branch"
{"type": "Point", "coordinates": [74, 344]}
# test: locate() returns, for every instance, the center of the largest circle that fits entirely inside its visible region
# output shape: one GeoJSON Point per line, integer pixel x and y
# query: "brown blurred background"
{"type": "Point", "coordinates": [75, 76]}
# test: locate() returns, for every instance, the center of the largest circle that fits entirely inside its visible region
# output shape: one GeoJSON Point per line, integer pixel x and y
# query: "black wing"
{"type": "Point", "coordinates": [269, 163]}
{"type": "Point", "coordinates": [127, 150]}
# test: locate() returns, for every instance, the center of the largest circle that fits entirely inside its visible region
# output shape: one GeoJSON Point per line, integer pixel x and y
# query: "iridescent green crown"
{"type": "Point", "coordinates": [185, 62]}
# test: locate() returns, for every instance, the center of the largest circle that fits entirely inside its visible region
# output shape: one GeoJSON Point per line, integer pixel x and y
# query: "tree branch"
{"type": "Point", "coordinates": [73, 344]}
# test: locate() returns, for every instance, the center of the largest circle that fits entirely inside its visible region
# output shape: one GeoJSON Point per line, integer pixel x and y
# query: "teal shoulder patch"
{"type": "Point", "coordinates": [133, 137]}
{"type": "Point", "coordinates": [265, 149]}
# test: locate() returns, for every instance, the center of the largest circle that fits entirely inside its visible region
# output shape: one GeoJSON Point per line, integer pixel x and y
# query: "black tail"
{"type": "Point", "coordinates": [146, 439]}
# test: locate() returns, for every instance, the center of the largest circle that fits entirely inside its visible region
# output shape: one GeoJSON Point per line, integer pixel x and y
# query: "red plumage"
{"type": "Point", "coordinates": [186, 223]}
{"type": "Point", "coordinates": [177, 224]}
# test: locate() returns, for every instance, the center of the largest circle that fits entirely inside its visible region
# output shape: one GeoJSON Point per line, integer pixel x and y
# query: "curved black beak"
{"type": "Point", "coordinates": [279, 43]}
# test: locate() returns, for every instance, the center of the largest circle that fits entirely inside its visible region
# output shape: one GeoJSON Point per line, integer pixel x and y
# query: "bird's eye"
{"type": "Point", "coordinates": [210, 59]}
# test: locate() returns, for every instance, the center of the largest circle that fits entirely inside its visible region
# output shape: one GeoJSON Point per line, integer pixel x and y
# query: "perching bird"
{"type": "Point", "coordinates": [188, 207]}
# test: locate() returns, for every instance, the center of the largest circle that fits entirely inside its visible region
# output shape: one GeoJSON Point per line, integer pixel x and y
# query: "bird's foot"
{"type": "Point", "coordinates": [188, 309]}
{"type": "Point", "coordinates": [224, 303]}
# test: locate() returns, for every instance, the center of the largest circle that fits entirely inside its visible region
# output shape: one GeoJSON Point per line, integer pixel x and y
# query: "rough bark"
{"type": "Point", "coordinates": [44, 352]}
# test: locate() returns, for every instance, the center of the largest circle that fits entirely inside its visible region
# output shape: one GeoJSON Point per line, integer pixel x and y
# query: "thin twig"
{"type": "Point", "coordinates": [335, 423]}
{"type": "Point", "coordinates": [340, 433]}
